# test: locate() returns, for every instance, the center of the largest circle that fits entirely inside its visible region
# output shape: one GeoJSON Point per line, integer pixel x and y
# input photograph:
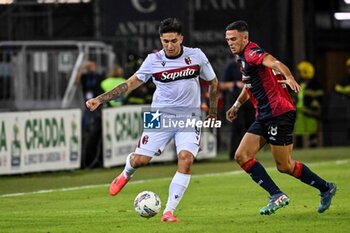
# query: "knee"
{"type": "Point", "coordinates": [285, 168]}
{"type": "Point", "coordinates": [185, 161]}
{"type": "Point", "coordinates": [185, 157]}
{"type": "Point", "coordinates": [242, 157]}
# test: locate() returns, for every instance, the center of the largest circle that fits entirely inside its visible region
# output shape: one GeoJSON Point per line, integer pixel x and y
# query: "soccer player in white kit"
{"type": "Point", "coordinates": [175, 70]}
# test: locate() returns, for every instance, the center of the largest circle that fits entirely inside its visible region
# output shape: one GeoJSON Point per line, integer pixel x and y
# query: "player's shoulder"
{"type": "Point", "coordinates": [253, 47]}
{"type": "Point", "coordinates": [191, 50]}
{"type": "Point", "coordinates": [253, 50]}
{"type": "Point", "coordinates": [194, 52]}
{"type": "Point", "coordinates": [156, 55]}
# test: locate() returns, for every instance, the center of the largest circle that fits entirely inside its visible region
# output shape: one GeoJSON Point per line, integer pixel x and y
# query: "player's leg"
{"type": "Point", "coordinates": [150, 144]}
{"type": "Point", "coordinates": [245, 157]}
{"type": "Point", "coordinates": [133, 161]}
{"type": "Point", "coordinates": [250, 144]}
{"type": "Point", "coordinates": [178, 185]}
{"type": "Point", "coordinates": [281, 129]}
{"type": "Point", "coordinates": [187, 147]}
{"type": "Point", "coordinates": [285, 164]}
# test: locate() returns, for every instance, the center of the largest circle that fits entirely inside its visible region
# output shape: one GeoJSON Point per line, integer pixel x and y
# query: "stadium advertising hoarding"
{"type": "Point", "coordinates": [40, 141]}
{"type": "Point", "coordinates": [122, 128]}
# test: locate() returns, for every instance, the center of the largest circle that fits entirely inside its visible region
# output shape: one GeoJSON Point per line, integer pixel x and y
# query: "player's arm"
{"type": "Point", "coordinates": [213, 98]}
{"type": "Point", "coordinates": [273, 63]}
{"type": "Point", "coordinates": [131, 84]}
{"type": "Point", "coordinates": [243, 96]}
{"type": "Point", "coordinates": [231, 114]}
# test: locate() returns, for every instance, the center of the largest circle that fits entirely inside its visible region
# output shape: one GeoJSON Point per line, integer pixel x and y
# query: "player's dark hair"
{"type": "Point", "coordinates": [170, 25]}
{"type": "Point", "coordinates": [239, 25]}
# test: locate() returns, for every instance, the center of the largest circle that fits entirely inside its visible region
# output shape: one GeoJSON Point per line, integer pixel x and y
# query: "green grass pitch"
{"type": "Point", "coordinates": [220, 198]}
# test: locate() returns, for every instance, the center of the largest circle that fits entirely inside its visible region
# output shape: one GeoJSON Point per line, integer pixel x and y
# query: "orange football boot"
{"type": "Point", "coordinates": [117, 184]}
{"type": "Point", "coordinates": [169, 217]}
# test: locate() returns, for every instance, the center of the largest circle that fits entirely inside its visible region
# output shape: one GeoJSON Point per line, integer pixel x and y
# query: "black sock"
{"type": "Point", "coordinates": [310, 178]}
{"type": "Point", "coordinates": [260, 176]}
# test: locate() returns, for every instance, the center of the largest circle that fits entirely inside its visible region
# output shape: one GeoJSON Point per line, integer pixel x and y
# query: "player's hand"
{"type": "Point", "coordinates": [211, 117]}
{"type": "Point", "coordinates": [231, 114]}
{"type": "Point", "coordinates": [292, 84]}
{"type": "Point", "coordinates": [92, 104]}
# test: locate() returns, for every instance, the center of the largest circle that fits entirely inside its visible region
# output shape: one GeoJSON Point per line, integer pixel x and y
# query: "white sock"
{"type": "Point", "coordinates": [128, 169]}
{"type": "Point", "coordinates": [177, 189]}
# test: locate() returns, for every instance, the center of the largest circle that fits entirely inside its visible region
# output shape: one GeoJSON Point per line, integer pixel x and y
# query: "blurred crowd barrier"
{"type": "Point", "coordinates": [40, 74]}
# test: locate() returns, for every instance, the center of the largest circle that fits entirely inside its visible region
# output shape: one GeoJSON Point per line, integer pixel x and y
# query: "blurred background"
{"type": "Point", "coordinates": [55, 54]}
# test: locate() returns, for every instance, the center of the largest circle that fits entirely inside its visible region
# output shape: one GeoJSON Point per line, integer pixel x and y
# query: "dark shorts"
{"type": "Point", "coordinates": [277, 130]}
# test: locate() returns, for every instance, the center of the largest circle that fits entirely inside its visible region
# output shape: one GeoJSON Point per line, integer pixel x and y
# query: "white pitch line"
{"type": "Point", "coordinates": [105, 185]}
{"type": "Point", "coordinates": [338, 162]}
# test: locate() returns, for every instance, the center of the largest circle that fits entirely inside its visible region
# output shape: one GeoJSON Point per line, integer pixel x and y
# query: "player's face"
{"type": "Point", "coordinates": [236, 40]}
{"type": "Point", "coordinates": [171, 42]}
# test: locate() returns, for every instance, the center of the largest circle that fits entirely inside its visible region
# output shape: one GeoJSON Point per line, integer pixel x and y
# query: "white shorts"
{"type": "Point", "coordinates": [152, 143]}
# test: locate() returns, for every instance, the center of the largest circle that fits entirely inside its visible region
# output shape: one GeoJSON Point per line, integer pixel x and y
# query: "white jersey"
{"type": "Point", "coordinates": [176, 79]}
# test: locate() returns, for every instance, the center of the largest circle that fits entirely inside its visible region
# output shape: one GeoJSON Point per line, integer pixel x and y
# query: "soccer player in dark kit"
{"type": "Point", "coordinates": [266, 85]}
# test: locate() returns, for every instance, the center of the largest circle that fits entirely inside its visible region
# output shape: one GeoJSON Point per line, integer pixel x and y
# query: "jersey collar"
{"type": "Point", "coordinates": [179, 55]}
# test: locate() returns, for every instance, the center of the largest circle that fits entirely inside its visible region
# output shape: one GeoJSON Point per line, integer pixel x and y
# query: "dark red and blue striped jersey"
{"type": "Point", "coordinates": [269, 97]}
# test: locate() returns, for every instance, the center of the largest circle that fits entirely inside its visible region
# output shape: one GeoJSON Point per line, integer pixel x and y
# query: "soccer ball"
{"type": "Point", "coordinates": [147, 204]}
